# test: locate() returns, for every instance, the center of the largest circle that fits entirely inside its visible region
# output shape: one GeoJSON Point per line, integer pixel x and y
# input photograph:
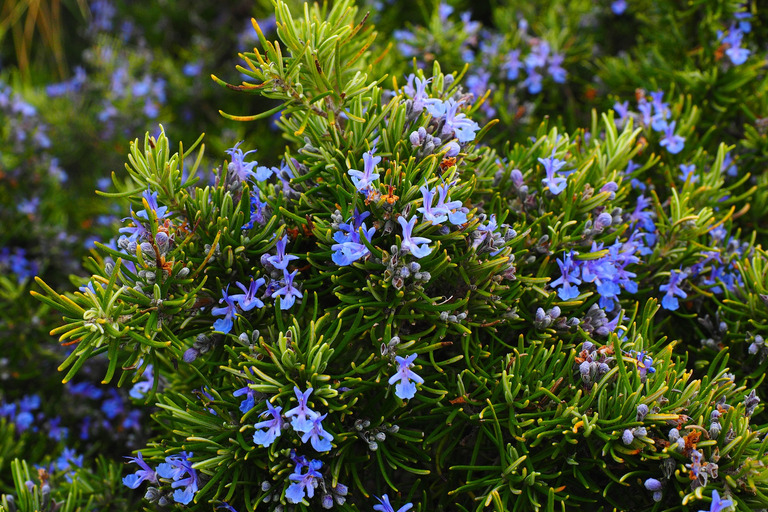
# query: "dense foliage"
{"type": "Point", "coordinates": [507, 259]}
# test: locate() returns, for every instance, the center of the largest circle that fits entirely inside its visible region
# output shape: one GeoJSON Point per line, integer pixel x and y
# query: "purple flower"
{"type": "Point", "coordinates": [229, 310]}
{"type": "Point", "coordinates": [385, 506]}
{"type": "Point", "coordinates": [145, 473]}
{"type": "Point", "coordinates": [411, 244]}
{"type": "Point", "coordinates": [273, 427]}
{"type": "Point", "coordinates": [243, 170]}
{"type": "Point", "coordinates": [552, 165]}
{"type": "Point", "coordinates": [673, 143]}
{"type": "Point", "coordinates": [320, 439]}
{"type": "Point", "coordinates": [405, 389]}
{"type": "Point", "coordinates": [431, 215]}
{"type": "Point", "coordinates": [569, 275]}
{"type": "Point", "coordinates": [304, 483]}
{"type": "Point", "coordinates": [363, 180]}
{"type": "Point", "coordinates": [418, 93]}
{"type": "Point", "coordinates": [302, 415]}
{"type": "Point", "coordinates": [718, 504]}
{"type": "Point", "coordinates": [248, 300]}
{"type": "Point", "coordinates": [137, 231]}
{"type": "Point", "coordinates": [671, 289]}
{"type": "Point", "coordinates": [280, 260]}
{"type": "Point", "coordinates": [288, 292]}
{"type": "Point", "coordinates": [350, 246]}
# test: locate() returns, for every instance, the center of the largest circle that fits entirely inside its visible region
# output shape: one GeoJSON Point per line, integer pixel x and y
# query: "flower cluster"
{"type": "Point", "coordinates": [176, 470]}
{"type": "Point", "coordinates": [653, 115]}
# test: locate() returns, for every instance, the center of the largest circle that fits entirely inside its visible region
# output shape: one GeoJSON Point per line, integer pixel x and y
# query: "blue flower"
{"type": "Point", "coordinates": [350, 246]}
{"type": "Point", "coordinates": [273, 427]}
{"type": "Point", "coordinates": [661, 109]}
{"type": "Point", "coordinates": [551, 165]}
{"type": "Point", "coordinates": [113, 406]}
{"type": "Point", "coordinates": [533, 81]}
{"type": "Point", "coordinates": [137, 231]}
{"type": "Point", "coordinates": [304, 483]}
{"type": "Point", "coordinates": [718, 504]}
{"type": "Point", "coordinates": [68, 462]}
{"type": "Point", "coordinates": [735, 52]}
{"type": "Point", "coordinates": [238, 166]}
{"type": "Point", "coordinates": [250, 397]}
{"type": "Point", "coordinates": [411, 244]}
{"type": "Point", "coordinates": [644, 363]}
{"type": "Point", "coordinates": [385, 506]}
{"type": "Point", "coordinates": [646, 110]}
{"type": "Point", "coordinates": [302, 415]}
{"type": "Point", "coordinates": [229, 310]}
{"type": "Point", "coordinates": [671, 289]}
{"type": "Point", "coordinates": [248, 300]}
{"type": "Point", "coordinates": [288, 291]}
{"type": "Point", "coordinates": [416, 89]}
{"type": "Point", "coordinates": [405, 389]}
{"type": "Point", "coordinates": [184, 479]}
{"type": "Point", "coordinates": [428, 213]}
{"type": "Point", "coordinates": [257, 212]}
{"type": "Point", "coordinates": [512, 65]}
{"type": "Point", "coordinates": [281, 260]}
{"type": "Point", "coordinates": [453, 209]}
{"type": "Point", "coordinates": [317, 435]}
{"type": "Point", "coordinates": [454, 124]}
{"type": "Point", "coordinates": [673, 143]}
{"type": "Point", "coordinates": [569, 275]}
{"type": "Point", "coordinates": [618, 7]}
{"type": "Point", "coordinates": [141, 388]}
{"type": "Point", "coordinates": [146, 473]}
{"type": "Point", "coordinates": [149, 199]}
{"type": "Point", "coordinates": [55, 430]}
{"type": "Point", "coordinates": [555, 69]}
{"type": "Point", "coordinates": [363, 180]}
{"type": "Point", "coordinates": [622, 110]}
{"type": "Point", "coordinates": [688, 173]}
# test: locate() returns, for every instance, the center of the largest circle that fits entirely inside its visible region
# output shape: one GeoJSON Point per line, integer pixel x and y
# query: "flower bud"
{"type": "Point", "coordinates": [603, 221]}
{"type": "Point", "coordinates": [652, 485]}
